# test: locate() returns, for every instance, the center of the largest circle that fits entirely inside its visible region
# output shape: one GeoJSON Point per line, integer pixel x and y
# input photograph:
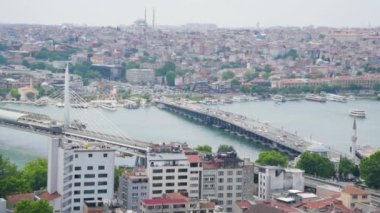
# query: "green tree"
{"type": "Point", "coordinates": [15, 93]}
{"type": "Point", "coordinates": [204, 148]}
{"type": "Point", "coordinates": [376, 87]}
{"type": "Point", "coordinates": [227, 75]}
{"type": "Point", "coordinates": [225, 148]}
{"type": "Point", "coordinates": [370, 170]}
{"type": "Point", "coordinates": [3, 60]}
{"type": "Point", "coordinates": [314, 164]}
{"type": "Point", "coordinates": [13, 185]}
{"type": "Point", "coordinates": [118, 171]}
{"type": "Point", "coordinates": [36, 206]}
{"type": "Point", "coordinates": [346, 167]}
{"type": "Point", "coordinates": [131, 65]}
{"type": "Point", "coordinates": [30, 95]}
{"type": "Point", "coordinates": [7, 168]}
{"type": "Point", "coordinates": [35, 171]}
{"type": "Point", "coordinates": [250, 75]}
{"type": "Point", "coordinates": [25, 63]}
{"type": "Point", "coordinates": [235, 82]}
{"type": "Point", "coordinates": [272, 158]}
{"type": "Point", "coordinates": [170, 77]}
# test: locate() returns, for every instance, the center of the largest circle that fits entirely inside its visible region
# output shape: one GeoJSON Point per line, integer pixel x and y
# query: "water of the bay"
{"type": "Point", "coordinates": [328, 123]}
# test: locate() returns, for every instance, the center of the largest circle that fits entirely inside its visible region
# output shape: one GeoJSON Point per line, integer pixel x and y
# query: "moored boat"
{"type": "Point", "coordinates": [337, 98]}
{"type": "Point", "coordinates": [317, 98]}
{"type": "Point", "coordinates": [357, 113]}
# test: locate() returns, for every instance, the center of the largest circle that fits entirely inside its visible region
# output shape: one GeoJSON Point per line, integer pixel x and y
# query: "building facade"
{"type": "Point", "coordinates": [80, 173]}
{"type": "Point", "coordinates": [140, 76]}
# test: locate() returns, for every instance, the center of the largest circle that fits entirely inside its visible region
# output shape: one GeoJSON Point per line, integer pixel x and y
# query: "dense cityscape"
{"type": "Point", "coordinates": [56, 81]}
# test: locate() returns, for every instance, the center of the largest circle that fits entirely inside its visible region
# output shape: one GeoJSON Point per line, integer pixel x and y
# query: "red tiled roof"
{"type": "Point", "coordinates": [354, 191]}
{"type": "Point", "coordinates": [18, 197]}
{"type": "Point", "coordinates": [194, 159]}
{"type": "Point", "coordinates": [46, 196]}
{"type": "Point", "coordinates": [156, 201]}
{"type": "Point", "coordinates": [243, 204]}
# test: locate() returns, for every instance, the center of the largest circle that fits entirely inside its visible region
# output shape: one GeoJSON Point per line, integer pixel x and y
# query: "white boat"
{"type": "Point", "coordinates": [110, 107]}
{"type": "Point", "coordinates": [357, 113]}
{"type": "Point", "coordinates": [80, 105]}
{"type": "Point", "coordinates": [40, 103]}
{"type": "Point", "coordinates": [317, 98]}
{"type": "Point", "coordinates": [337, 98]}
{"type": "Point", "coordinates": [278, 98]}
{"type": "Point", "coordinates": [60, 105]}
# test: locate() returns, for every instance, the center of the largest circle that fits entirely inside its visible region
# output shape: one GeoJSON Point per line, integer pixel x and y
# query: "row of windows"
{"type": "Point", "coordinates": [238, 187]}
{"type": "Point", "coordinates": [230, 180]}
{"type": "Point", "coordinates": [169, 184]}
{"type": "Point", "coordinates": [77, 200]}
{"type": "Point", "coordinates": [168, 170]}
{"type": "Point", "coordinates": [137, 187]}
{"type": "Point", "coordinates": [90, 155]}
{"type": "Point", "coordinates": [103, 175]}
{"type": "Point", "coordinates": [168, 191]}
{"type": "Point", "coordinates": [100, 183]}
{"type": "Point", "coordinates": [239, 172]}
{"type": "Point", "coordinates": [221, 195]}
{"type": "Point", "coordinates": [78, 168]}
{"type": "Point", "coordinates": [100, 191]}
{"type": "Point", "coordinates": [180, 177]}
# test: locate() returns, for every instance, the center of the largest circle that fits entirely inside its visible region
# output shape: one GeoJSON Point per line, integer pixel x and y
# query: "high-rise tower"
{"type": "Point", "coordinates": [145, 17]}
{"type": "Point", "coordinates": [153, 18]}
{"type": "Point", "coordinates": [354, 139]}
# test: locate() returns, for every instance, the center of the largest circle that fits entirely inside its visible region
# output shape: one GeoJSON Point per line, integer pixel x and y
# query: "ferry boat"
{"type": "Point", "coordinates": [337, 98]}
{"type": "Point", "coordinates": [60, 105]}
{"type": "Point", "coordinates": [80, 105]}
{"type": "Point", "coordinates": [40, 103]}
{"type": "Point", "coordinates": [317, 98]}
{"type": "Point", "coordinates": [278, 98]}
{"type": "Point", "coordinates": [357, 113]}
{"type": "Point", "coordinates": [110, 107]}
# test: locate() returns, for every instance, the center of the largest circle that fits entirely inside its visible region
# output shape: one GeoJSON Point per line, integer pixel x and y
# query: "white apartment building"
{"type": "Point", "coordinates": [170, 170]}
{"type": "Point", "coordinates": [80, 173]}
{"type": "Point", "coordinates": [276, 179]}
{"type": "Point", "coordinates": [226, 179]}
{"type": "Point", "coordinates": [133, 187]}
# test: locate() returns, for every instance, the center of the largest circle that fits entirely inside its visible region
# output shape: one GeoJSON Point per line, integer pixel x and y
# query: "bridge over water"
{"type": "Point", "coordinates": [260, 132]}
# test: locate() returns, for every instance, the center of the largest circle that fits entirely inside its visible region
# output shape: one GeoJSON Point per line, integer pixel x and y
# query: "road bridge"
{"type": "Point", "coordinates": [260, 132]}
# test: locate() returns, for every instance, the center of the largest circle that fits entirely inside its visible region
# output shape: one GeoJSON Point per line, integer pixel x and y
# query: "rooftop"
{"type": "Point", "coordinates": [243, 204]}
{"type": "Point", "coordinates": [354, 191]}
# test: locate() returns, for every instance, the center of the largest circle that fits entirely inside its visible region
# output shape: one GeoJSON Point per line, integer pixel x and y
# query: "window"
{"type": "Point", "coordinates": [229, 209]}
{"type": "Point", "coordinates": [239, 172]}
{"type": "Point", "coordinates": [157, 191]}
{"type": "Point", "coordinates": [89, 175]}
{"type": "Point", "coordinates": [105, 155]}
{"type": "Point", "coordinates": [76, 155]}
{"type": "Point", "coordinates": [194, 178]}
{"type": "Point", "coordinates": [76, 200]}
{"type": "Point", "coordinates": [88, 192]}
{"type": "Point", "coordinates": [169, 177]}
{"type": "Point", "coordinates": [220, 180]}
{"type": "Point", "coordinates": [220, 202]}
{"type": "Point", "coordinates": [157, 177]}
{"type": "Point", "coordinates": [354, 196]}
{"type": "Point", "coordinates": [181, 177]}
{"type": "Point", "coordinates": [193, 165]}
{"type": "Point", "coordinates": [220, 188]}
{"type": "Point", "coordinates": [194, 172]}
{"type": "Point", "coordinates": [157, 171]}
{"type": "Point", "coordinates": [90, 155]}
{"type": "Point", "coordinates": [238, 195]}
{"type": "Point", "coordinates": [77, 192]}
{"type": "Point", "coordinates": [88, 199]}
{"type": "Point", "coordinates": [229, 187]}
{"type": "Point", "coordinates": [220, 173]}
{"type": "Point", "coordinates": [76, 184]}
{"type": "Point", "coordinates": [157, 184]}
{"type": "Point", "coordinates": [170, 191]}
{"type": "Point", "coordinates": [136, 187]}
{"type": "Point", "coordinates": [229, 194]}
{"type": "Point", "coordinates": [76, 208]}
{"type": "Point", "coordinates": [182, 184]}
{"type": "Point", "coordinates": [220, 195]}
{"type": "Point", "coordinates": [364, 197]}
{"type": "Point", "coordinates": [101, 167]}
{"type": "Point", "coordinates": [169, 184]}
{"type": "Point", "coordinates": [90, 168]}
{"type": "Point", "coordinates": [77, 176]}
{"type": "Point", "coordinates": [230, 180]}
{"type": "Point", "coordinates": [182, 170]}
{"type": "Point", "coordinates": [102, 175]}
{"type": "Point", "coordinates": [170, 170]}
{"type": "Point", "coordinates": [102, 183]}
{"type": "Point", "coordinates": [230, 173]}
{"type": "Point", "coordinates": [77, 168]}
{"type": "Point", "coordinates": [239, 180]}
{"type": "Point", "coordinates": [89, 184]}
{"type": "Point", "coordinates": [238, 187]}
{"type": "Point", "coordinates": [229, 202]}
{"type": "Point", "coordinates": [102, 191]}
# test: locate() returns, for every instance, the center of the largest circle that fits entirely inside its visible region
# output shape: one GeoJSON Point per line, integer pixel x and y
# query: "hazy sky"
{"type": "Point", "coordinates": [224, 13]}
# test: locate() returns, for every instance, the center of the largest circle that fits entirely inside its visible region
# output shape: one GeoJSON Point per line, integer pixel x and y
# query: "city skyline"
{"type": "Point", "coordinates": [242, 13]}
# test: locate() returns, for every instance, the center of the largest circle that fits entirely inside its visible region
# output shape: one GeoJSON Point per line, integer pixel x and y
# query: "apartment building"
{"type": "Point", "coordinates": [226, 178]}
{"type": "Point", "coordinates": [170, 170]}
{"type": "Point", "coordinates": [140, 76]}
{"type": "Point", "coordinates": [176, 202]}
{"type": "Point", "coordinates": [276, 179]}
{"type": "Point", "coordinates": [80, 173]}
{"type": "Point", "coordinates": [352, 196]}
{"type": "Point", "coordinates": [133, 187]}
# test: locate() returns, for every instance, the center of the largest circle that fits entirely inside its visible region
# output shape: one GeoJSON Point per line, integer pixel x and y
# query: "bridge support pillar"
{"type": "Point", "coordinates": [53, 165]}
